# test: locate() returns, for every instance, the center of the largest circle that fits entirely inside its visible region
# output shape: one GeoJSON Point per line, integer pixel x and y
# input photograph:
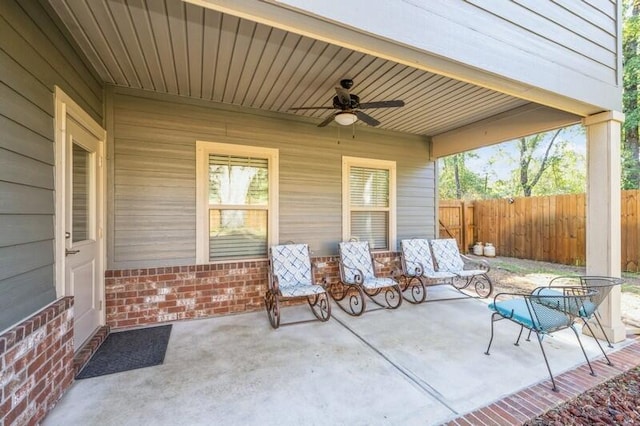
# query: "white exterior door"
{"type": "Point", "coordinates": [83, 266]}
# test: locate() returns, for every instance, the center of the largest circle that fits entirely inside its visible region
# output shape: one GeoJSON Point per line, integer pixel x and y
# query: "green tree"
{"type": "Point", "coordinates": [543, 164]}
{"type": "Point", "coordinates": [457, 181]}
{"type": "Point", "coordinates": [631, 95]}
{"type": "Point", "coordinates": [531, 167]}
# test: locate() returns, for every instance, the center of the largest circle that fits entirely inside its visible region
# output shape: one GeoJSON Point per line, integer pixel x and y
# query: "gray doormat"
{"type": "Point", "coordinates": [128, 350]}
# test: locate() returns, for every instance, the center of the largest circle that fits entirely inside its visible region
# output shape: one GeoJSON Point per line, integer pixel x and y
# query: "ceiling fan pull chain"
{"type": "Point", "coordinates": [353, 127]}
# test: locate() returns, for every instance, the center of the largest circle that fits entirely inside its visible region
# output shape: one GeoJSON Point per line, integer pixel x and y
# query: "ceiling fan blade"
{"type": "Point", "coordinates": [304, 108]}
{"type": "Point", "coordinates": [382, 104]}
{"type": "Point", "coordinates": [367, 118]}
{"type": "Point", "coordinates": [327, 120]}
{"type": "Point", "coordinates": [343, 96]}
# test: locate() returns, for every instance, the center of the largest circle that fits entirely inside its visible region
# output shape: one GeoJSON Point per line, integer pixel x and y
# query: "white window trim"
{"type": "Point", "coordinates": [203, 149]}
{"type": "Point", "coordinates": [347, 163]}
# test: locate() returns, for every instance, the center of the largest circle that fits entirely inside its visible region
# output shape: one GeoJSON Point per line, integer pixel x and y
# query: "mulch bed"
{"type": "Point", "coordinates": [616, 402]}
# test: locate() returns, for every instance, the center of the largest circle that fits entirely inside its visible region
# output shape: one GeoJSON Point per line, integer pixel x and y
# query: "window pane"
{"type": "Point", "coordinates": [237, 234]}
{"type": "Point", "coordinates": [372, 227]}
{"type": "Point", "coordinates": [369, 187]}
{"type": "Point", "coordinates": [238, 180]}
{"type": "Point", "coordinates": [80, 196]}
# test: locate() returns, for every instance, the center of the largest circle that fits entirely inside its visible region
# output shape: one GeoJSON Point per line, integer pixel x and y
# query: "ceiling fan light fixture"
{"type": "Point", "coordinates": [346, 118]}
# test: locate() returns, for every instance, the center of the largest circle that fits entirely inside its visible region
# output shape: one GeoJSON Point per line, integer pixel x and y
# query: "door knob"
{"type": "Point", "coordinates": [67, 252]}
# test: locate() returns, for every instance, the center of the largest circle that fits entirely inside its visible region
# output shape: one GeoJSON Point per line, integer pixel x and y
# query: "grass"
{"type": "Point", "coordinates": [631, 288]}
{"type": "Point", "coordinates": [523, 270]}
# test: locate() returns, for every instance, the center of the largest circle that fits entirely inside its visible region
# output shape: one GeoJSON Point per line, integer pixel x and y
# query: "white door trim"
{"type": "Point", "coordinates": [67, 107]}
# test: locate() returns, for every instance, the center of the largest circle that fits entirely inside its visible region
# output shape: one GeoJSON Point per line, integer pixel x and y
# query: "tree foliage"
{"type": "Point", "coordinates": [457, 181]}
{"type": "Point", "coordinates": [543, 164]}
{"type": "Point", "coordinates": [631, 95]}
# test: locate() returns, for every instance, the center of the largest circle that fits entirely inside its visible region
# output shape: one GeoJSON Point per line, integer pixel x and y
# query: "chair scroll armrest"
{"type": "Point", "coordinates": [394, 266]}
{"type": "Point", "coordinates": [413, 269]}
{"type": "Point", "coordinates": [477, 263]}
{"type": "Point", "coordinates": [273, 283]}
{"type": "Point", "coordinates": [316, 270]}
{"type": "Point", "coordinates": [358, 276]}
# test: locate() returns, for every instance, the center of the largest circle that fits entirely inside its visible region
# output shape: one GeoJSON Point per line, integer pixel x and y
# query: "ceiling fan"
{"type": "Point", "coordinates": [350, 108]}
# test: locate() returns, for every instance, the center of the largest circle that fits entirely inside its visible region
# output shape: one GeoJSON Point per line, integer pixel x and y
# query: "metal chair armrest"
{"type": "Point", "coordinates": [479, 263]}
{"type": "Point", "coordinates": [358, 276]}
{"type": "Point", "coordinates": [565, 281]}
{"type": "Point", "coordinates": [315, 269]}
{"type": "Point", "coordinates": [413, 269]}
{"type": "Point", "coordinates": [273, 283]}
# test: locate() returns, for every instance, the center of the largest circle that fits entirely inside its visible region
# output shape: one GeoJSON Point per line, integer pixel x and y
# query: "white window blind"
{"type": "Point", "coordinates": [369, 205]}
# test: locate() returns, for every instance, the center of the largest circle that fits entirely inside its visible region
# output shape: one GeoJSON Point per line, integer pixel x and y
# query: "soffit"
{"type": "Point", "coordinates": [168, 46]}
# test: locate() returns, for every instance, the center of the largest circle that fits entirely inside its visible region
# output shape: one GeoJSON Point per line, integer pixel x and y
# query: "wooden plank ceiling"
{"type": "Point", "coordinates": [168, 46]}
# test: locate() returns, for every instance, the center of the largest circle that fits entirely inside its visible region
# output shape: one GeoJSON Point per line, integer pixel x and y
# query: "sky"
{"type": "Point", "coordinates": [501, 170]}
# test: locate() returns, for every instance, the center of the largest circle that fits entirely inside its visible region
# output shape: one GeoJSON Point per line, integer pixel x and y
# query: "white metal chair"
{"type": "Point", "coordinates": [468, 271]}
{"type": "Point", "coordinates": [358, 278]}
{"type": "Point", "coordinates": [291, 275]}
{"type": "Point", "coordinates": [418, 270]}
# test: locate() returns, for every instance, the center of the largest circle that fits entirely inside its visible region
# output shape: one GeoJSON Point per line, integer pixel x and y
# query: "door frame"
{"type": "Point", "coordinates": [66, 107]}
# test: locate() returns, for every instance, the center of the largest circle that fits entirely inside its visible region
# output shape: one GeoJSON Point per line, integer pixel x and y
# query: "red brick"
{"type": "Point", "coordinates": [36, 364]}
{"type": "Point", "coordinates": [15, 412]}
{"type": "Point", "coordinates": [5, 407]}
{"type": "Point", "coordinates": [462, 422]}
{"type": "Point", "coordinates": [512, 411]}
{"type": "Point", "coordinates": [484, 419]}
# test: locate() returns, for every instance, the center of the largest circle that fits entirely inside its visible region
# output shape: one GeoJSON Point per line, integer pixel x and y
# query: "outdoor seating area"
{"type": "Point", "coordinates": [557, 307]}
{"type": "Point", "coordinates": [566, 302]}
{"type": "Point", "coordinates": [291, 276]}
{"type": "Point", "coordinates": [367, 370]}
{"type": "Point", "coordinates": [439, 262]}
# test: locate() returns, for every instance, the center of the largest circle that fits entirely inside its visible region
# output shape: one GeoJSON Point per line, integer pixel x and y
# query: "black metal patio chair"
{"type": "Point", "coordinates": [543, 314]}
{"type": "Point", "coordinates": [603, 284]}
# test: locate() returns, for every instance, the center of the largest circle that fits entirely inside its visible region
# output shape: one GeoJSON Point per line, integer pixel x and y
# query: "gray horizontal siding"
{"type": "Point", "coordinates": [33, 286]}
{"type": "Point", "coordinates": [152, 211]}
{"type": "Point", "coordinates": [34, 57]}
{"type": "Point", "coordinates": [567, 47]}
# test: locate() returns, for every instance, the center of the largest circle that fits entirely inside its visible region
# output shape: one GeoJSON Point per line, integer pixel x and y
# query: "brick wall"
{"type": "Point", "coordinates": [36, 364]}
{"type": "Point", "coordinates": [136, 297]}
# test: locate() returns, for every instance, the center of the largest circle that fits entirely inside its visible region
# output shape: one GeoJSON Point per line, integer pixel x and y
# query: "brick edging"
{"type": "Point", "coordinates": [537, 399]}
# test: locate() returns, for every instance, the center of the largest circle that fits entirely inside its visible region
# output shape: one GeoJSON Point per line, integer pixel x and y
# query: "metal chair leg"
{"type": "Point", "coordinates": [583, 351]}
{"type": "Point", "coordinates": [597, 317]}
{"type": "Point", "coordinates": [596, 339]}
{"type": "Point", "coordinates": [553, 382]}
{"type": "Point", "coordinates": [517, 343]}
{"type": "Point", "coordinates": [493, 316]}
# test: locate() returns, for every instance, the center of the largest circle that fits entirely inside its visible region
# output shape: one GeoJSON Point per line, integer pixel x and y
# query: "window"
{"type": "Point", "coordinates": [237, 199]}
{"type": "Point", "coordinates": [369, 201]}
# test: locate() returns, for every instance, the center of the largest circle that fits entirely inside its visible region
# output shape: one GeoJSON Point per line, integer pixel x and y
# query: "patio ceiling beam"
{"type": "Point", "coordinates": [522, 121]}
{"type": "Point", "coordinates": [283, 15]}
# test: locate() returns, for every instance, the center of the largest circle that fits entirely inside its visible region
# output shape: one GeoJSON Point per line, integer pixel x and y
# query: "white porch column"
{"type": "Point", "coordinates": [603, 211]}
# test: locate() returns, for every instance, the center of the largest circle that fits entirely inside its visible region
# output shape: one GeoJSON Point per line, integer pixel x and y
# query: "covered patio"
{"type": "Point", "coordinates": [422, 364]}
{"type": "Point", "coordinates": [116, 116]}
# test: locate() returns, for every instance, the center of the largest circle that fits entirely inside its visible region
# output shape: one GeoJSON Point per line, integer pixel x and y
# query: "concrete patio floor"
{"type": "Point", "coordinates": [421, 364]}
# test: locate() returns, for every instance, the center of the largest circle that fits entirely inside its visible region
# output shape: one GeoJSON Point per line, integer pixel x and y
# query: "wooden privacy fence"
{"type": "Point", "coordinates": [551, 229]}
{"type": "Point", "coordinates": [456, 221]}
